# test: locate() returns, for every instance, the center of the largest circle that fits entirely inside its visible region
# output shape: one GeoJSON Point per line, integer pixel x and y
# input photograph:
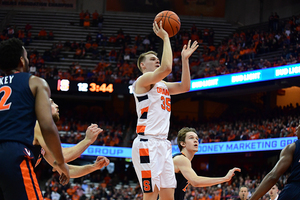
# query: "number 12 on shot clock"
{"type": "Point", "coordinates": [103, 88]}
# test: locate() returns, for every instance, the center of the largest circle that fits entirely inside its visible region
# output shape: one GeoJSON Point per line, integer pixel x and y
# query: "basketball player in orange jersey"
{"type": "Point", "coordinates": [187, 140]}
{"type": "Point", "coordinates": [151, 151]}
{"type": "Point", "coordinates": [70, 153]}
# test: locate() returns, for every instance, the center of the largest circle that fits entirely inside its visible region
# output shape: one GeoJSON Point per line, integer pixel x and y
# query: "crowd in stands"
{"type": "Point", "coordinates": [118, 62]}
{"type": "Point", "coordinates": [13, 31]}
{"type": "Point", "coordinates": [86, 19]}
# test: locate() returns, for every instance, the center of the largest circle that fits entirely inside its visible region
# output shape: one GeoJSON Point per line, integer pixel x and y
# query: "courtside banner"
{"type": "Point", "coordinates": [254, 76]}
{"type": "Point", "coordinates": [242, 146]}
{"type": "Point", "coordinates": [94, 150]}
{"type": "Point", "coordinates": [204, 148]}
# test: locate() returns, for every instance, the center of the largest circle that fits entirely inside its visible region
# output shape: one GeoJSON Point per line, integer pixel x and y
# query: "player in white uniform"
{"type": "Point", "coordinates": [151, 151]}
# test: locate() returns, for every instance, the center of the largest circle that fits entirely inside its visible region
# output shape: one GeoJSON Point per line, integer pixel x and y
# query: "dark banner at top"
{"type": "Point", "coordinates": [45, 4]}
{"type": "Point", "coordinates": [209, 8]}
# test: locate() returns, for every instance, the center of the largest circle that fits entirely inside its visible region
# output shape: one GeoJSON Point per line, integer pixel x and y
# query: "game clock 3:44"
{"type": "Point", "coordinates": [101, 88]}
{"type": "Point", "coordinates": [65, 85]}
{"type": "Point", "coordinates": [94, 87]}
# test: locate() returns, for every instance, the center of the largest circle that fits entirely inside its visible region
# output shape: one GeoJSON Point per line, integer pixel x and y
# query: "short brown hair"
{"type": "Point", "coordinates": [142, 58]}
{"type": "Point", "coordinates": [182, 134]}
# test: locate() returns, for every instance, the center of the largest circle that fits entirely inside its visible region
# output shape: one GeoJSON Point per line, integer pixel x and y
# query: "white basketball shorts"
{"type": "Point", "coordinates": [153, 164]}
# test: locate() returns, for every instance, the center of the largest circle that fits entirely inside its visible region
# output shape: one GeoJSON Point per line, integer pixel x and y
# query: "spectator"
{"type": "Point", "coordinates": [95, 16]}
{"type": "Point", "coordinates": [99, 37]}
{"type": "Point", "coordinates": [42, 34]}
{"type": "Point", "coordinates": [112, 55]}
{"type": "Point", "coordinates": [81, 18]}
{"type": "Point", "coordinates": [28, 27]}
{"type": "Point", "coordinates": [74, 45]}
{"type": "Point", "coordinates": [112, 40]}
{"type": "Point", "coordinates": [86, 23]}
{"type": "Point", "coordinates": [10, 31]}
{"type": "Point", "coordinates": [104, 40]}
{"type": "Point", "coordinates": [100, 21]}
{"type": "Point", "coordinates": [78, 53]}
{"type": "Point", "coordinates": [87, 15]}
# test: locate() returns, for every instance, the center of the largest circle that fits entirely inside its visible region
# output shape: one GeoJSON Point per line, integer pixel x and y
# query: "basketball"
{"type": "Point", "coordinates": [170, 22]}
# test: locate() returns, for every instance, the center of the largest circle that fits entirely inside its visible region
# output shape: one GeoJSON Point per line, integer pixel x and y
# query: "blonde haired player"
{"type": "Point", "coordinates": [151, 151]}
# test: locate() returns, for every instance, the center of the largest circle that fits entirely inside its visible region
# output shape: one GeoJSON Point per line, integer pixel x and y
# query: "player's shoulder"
{"type": "Point", "coordinates": [290, 149]}
{"type": "Point", "coordinates": [37, 80]}
{"type": "Point", "coordinates": [179, 157]}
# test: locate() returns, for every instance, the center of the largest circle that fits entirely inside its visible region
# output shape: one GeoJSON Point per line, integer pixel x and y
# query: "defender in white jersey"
{"type": "Point", "coordinates": [151, 151]}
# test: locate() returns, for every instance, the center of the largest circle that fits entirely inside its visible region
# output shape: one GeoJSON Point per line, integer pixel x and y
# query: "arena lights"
{"type": "Point", "coordinates": [203, 149]}
{"type": "Point", "coordinates": [254, 76]}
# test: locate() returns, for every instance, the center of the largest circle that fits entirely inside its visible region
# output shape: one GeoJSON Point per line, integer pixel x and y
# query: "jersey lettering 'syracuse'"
{"type": "Point", "coordinates": [153, 110]}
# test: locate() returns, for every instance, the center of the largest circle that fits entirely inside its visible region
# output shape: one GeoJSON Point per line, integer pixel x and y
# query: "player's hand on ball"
{"type": "Point", "coordinates": [159, 31]}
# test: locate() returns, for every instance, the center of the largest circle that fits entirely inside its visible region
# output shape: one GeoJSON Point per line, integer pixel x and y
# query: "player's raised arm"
{"type": "Point", "coordinates": [185, 84]}
{"type": "Point", "coordinates": [153, 70]}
